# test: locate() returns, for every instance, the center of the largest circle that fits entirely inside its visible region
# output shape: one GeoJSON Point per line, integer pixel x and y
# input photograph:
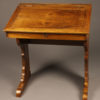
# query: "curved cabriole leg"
{"type": "Point", "coordinates": [85, 89]}
{"type": "Point", "coordinates": [25, 68]}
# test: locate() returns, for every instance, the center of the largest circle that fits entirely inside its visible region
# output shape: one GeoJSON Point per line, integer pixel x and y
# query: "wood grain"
{"type": "Point", "coordinates": [25, 68]}
{"type": "Point", "coordinates": [50, 18]}
{"type": "Point", "coordinates": [66, 24]}
{"type": "Point", "coordinates": [47, 36]}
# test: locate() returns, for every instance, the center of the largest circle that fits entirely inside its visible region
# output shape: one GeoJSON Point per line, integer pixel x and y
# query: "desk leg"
{"type": "Point", "coordinates": [85, 90]}
{"type": "Point", "coordinates": [25, 68]}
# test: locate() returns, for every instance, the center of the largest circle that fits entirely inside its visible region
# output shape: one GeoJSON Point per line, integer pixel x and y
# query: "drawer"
{"type": "Point", "coordinates": [49, 36]}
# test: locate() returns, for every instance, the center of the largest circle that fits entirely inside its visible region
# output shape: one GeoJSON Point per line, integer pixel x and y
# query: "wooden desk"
{"type": "Point", "coordinates": [64, 24]}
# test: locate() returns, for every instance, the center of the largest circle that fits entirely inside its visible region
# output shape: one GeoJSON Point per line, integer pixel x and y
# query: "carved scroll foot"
{"type": "Point", "coordinates": [85, 89]}
{"type": "Point", "coordinates": [25, 68]}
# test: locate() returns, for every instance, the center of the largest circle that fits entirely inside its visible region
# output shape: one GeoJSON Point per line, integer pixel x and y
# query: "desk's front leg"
{"type": "Point", "coordinates": [25, 68]}
{"type": "Point", "coordinates": [85, 89]}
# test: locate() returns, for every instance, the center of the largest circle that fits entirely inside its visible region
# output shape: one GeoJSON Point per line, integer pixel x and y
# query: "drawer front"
{"type": "Point", "coordinates": [48, 36]}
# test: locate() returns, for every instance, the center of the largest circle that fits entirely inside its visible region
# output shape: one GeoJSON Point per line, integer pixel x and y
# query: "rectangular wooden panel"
{"type": "Point", "coordinates": [47, 36]}
{"type": "Point", "coordinates": [50, 18]}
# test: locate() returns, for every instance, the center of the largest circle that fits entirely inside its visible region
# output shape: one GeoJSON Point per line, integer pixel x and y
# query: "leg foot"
{"type": "Point", "coordinates": [21, 87]}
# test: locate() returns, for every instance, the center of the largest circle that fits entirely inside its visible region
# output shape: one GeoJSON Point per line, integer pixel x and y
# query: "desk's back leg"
{"type": "Point", "coordinates": [85, 89]}
{"type": "Point", "coordinates": [25, 68]}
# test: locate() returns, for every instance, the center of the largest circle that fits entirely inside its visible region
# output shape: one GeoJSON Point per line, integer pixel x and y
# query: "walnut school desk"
{"type": "Point", "coordinates": [58, 24]}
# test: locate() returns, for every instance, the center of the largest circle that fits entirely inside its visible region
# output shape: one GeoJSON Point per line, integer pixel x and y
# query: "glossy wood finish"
{"type": "Point", "coordinates": [25, 67]}
{"type": "Point", "coordinates": [86, 50]}
{"type": "Point", "coordinates": [58, 24]}
{"type": "Point", "coordinates": [50, 18]}
{"type": "Point", "coordinates": [47, 36]}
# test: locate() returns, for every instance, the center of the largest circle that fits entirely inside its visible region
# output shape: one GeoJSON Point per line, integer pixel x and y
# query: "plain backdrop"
{"type": "Point", "coordinates": [57, 71]}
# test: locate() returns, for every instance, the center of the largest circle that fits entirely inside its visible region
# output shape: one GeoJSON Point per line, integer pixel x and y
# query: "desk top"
{"type": "Point", "coordinates": [50, 18]}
